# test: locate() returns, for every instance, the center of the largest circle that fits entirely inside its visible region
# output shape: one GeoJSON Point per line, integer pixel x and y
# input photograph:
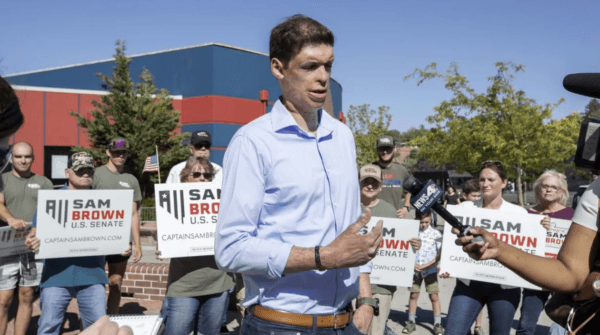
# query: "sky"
{"type": "Point", "coordinates": [377, 42]}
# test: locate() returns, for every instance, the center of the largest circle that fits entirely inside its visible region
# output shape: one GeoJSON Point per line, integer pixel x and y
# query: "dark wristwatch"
{"type": "Point", "coordinates": [407, 208]}
{"type": "Point", "coordinates": [373, 302]}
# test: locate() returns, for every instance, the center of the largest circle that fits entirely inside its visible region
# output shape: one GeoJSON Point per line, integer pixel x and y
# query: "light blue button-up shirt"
{"type": "Point", "coordinates": [282, 187]}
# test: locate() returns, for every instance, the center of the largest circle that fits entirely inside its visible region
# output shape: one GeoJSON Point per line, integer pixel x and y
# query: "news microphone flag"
{"type": "Point", "coordinates": [151, 164]}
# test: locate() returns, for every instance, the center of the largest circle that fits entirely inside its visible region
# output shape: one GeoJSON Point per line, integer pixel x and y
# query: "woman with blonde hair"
{"type": "Point", "coordinates": [551, 195]}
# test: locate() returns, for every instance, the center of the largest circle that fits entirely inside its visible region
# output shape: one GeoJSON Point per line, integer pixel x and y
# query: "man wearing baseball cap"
{"type": "Point", "coordinates": [393, 174]}
{"type": "Point", "coordinates": [371, 185]}
{"type": "Point", "coordinates": [112, 176]}
{"type": "Point", "coordinates": [63, 279]}
{"type": "Point", "coordinates": [200, 144]}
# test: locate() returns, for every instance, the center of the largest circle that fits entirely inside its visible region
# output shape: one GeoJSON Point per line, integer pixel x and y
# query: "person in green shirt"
{"type": "Point", "coordinates": [18, 201]}
{"type": "Point", "coordinates": [371, 184]}
{"type": "Point", "coordinates": [197, 291]}
{"type": "Point", "coordinates": [112, 176]}
{"type": "Point", "coordinates": [393, 174]}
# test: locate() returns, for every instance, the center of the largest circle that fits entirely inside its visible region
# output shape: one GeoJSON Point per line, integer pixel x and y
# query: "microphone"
{"type": "Point", "coordinates": [587, 84]}
{"type": "Point", "coordinates": [425, 197]}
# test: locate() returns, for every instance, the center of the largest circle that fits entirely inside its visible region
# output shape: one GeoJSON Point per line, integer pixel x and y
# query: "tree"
{"type": "Point", "coordinates": [367, 125]}
{"type": "Point", "coordinates": [141, 113]}
{"type": "Point", "coordinates": [499, 124]}
{"type": "Point", "coordinates": [413, 133]}
{"type": "Point", "coordinates": [592, 109]}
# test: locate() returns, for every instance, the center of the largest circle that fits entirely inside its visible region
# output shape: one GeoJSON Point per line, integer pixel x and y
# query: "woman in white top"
{"type": "Point", "coordinates": [470, 296]}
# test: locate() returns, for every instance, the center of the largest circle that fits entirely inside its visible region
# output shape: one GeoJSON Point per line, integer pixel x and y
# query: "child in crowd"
{"type": "Point", "coordinates": [426, 270]}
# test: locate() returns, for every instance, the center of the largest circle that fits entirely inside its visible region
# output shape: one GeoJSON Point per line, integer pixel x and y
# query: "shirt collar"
{"type": "Point", "coordinates": [283, 122]}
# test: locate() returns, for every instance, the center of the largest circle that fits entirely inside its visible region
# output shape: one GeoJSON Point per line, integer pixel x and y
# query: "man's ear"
{"type": "Point", "coordinates": [277, 68]}
{"type": "Point", "coordinates": [67, 173]}
{"type": "Point", "coordinates": [108, 153]}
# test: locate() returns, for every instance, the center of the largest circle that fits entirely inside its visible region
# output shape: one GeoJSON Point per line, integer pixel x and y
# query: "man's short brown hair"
{"type": "Point", "coordinates": [295, 32]}
{"type": "Point", "coordinates": [472, 185]}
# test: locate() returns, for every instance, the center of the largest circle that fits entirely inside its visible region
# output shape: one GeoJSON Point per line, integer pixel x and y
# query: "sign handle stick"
{"type": "Point", "coordinates": [158, 163]}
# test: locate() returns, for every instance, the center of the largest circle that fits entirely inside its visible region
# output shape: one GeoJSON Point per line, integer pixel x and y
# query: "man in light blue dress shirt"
{"type": "Point", "coordinates": [290, 208]}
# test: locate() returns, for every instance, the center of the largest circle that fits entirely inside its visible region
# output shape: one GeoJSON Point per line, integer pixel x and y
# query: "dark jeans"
{"type": "Point", "coordinates": [467, 302]}
{"type": "Point", "coordinates": [254, 325]}
{"type": "Point", "coordinates": [531, 308]}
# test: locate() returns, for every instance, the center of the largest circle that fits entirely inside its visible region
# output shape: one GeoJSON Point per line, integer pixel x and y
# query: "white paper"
{"type": "Point", "coordinates": [12, 242]}
{"type": "Point", "coordinates": [186, 218]}
{"type": "Point", "coordinates": [523, 231]}
{"type": "Point", "coordinates": [555, 236]}
{"type": "Point", "coordinates": [395, 261]}
{"type": "Point", "coordinates": [139, 324]}
{"type": "Point", "coordinates": [77, 223]}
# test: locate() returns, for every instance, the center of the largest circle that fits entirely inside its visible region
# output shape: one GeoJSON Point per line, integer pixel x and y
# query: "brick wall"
{"type": "Point", "coordinates": [145, 281]}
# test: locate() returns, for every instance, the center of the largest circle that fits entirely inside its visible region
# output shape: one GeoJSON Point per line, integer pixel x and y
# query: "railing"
{"type": "Point", "coordinates": [147, 214]}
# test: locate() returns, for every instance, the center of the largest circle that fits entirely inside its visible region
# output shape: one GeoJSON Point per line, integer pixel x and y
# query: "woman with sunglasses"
{"type": "Point", "coordinates": [551, 195]}
{"type": "Point", "coordinates": [470, 296]}
{"type": "Point", "coordinates": [197, 291]}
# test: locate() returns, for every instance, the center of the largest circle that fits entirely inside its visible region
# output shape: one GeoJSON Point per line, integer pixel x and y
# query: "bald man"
{"type": "Point", "coordinates": [18, 201]}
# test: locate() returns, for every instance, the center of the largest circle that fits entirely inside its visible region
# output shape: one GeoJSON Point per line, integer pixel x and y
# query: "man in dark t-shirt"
{"type": "Point", "coordinates": [18, 201]}
{"type": "Point", "coordinates": [112, 176]}
{"type": "Point", "coordinates": [393, 176]}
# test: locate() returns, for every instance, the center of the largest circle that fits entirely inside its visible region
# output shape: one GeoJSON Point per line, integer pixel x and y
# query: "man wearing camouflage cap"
{"type": "Point", "coordinates": [63, 279]}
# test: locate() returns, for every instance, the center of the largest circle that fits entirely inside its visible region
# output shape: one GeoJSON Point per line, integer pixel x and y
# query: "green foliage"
{"type": "Point", "coordinates": [499, 124]}
{"type": "Point", "coordinates": [592, 109]}
{"type": "Point", "coordinates": [141, 113]}
{"type": "Point", "coordinates": [367, 125]}
{"type": "Point", "coordinates": [412, 133]}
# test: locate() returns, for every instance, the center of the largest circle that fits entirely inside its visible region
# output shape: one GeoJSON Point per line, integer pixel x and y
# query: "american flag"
{"type": "Point", "coordinates": [151, 164]}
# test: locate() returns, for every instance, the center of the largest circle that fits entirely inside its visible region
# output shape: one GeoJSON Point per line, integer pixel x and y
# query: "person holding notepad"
{"type": "Point", "coordinates": [197, 291]}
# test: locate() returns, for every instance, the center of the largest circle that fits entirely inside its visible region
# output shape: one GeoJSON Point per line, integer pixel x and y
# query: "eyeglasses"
{"type": "Point", "coordinates": [206, 175]}
{"type": "Point", "coordinates": [202, 145]}
{"type": "Point", "coordinates": [551, 188]}
{"type": "Point", "coordinates": [496, 163]}
{"type": "Point", "coordinates": [386, 149]}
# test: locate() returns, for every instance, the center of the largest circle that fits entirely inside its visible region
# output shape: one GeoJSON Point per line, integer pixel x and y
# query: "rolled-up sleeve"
{"type": "Point", "coordinates": [237, 246]}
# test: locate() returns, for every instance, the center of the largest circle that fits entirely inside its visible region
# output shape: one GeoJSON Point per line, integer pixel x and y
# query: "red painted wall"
{"type": "Point", "coordinates": [61, 127]}
{"type": "Point", "coordinates": [218, 109]}
{"type": "Point", "coordinates": [32, 106]}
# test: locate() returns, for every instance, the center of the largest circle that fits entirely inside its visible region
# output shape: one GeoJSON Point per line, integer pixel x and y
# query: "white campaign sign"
{"type": "Point", "coordinates": [12, 242]}
{"type": "Point", "coordinates": [186, 218]}
{"type": "Point", "coordinates": [395, 261]}
{"type": "Point", "coordinates": [77, 223]}
{"type": "Point", "coordinates": [523, 231]}
{"type": "Point", "coordinates": [555, 236]}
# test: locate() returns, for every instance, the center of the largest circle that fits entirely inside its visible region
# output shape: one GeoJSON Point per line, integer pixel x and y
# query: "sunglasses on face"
{"type": "Point", "coordinates": [367, 182]}
{"type": "Point", "coordinates": [202, 145]}
{"type": "Point", "coordinates": [206, 175]}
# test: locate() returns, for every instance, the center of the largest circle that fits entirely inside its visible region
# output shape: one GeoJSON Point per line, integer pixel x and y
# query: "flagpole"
{"type": "Point", "coordinates": [157, 163]}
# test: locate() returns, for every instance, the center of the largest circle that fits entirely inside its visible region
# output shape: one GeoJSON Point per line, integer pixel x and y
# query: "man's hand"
{"type": "Point", "coordinates": [418, 267]}
{"type": "Point", "coordinates": [546, 222]}
{"type": "Point", "coordinates": [416, 243]}
{"type": "Point", "coordinates": [363, 317]}
{"type": "Point", "coordinates": [402, 212]}
{"type": "Point", "coordinates": [445, 275]}
{"type": "Point", "coordinates": [106, 327]}
{"type": "Point", "coordinates": [137, 253]}
{"type": "Point", "coordinates": [479, 251]}
{"type": "Point", "coordinates": [351, 248]}
{"type": "Point", "coordinates": [16, 224]}
{"type": "Point", "coordinates": [127, 251]}
{"type": "Point", "coordinates": [32, 242]}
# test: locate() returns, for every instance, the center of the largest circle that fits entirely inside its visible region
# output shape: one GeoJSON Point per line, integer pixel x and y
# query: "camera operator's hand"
{"type": "Point", "coordinates": [351, 248]}
{"type": "Point", "coordinates": [479, 251]}
{"type": "Point", "coordinates": [104, 326]}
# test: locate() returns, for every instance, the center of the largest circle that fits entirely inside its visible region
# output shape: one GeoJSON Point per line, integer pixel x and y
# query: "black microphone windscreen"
{"type": "Point", "coordinates": [587, 84]}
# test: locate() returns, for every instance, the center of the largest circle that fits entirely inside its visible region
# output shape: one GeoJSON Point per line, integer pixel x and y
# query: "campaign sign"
{"type": "Point", "coordinates": [186, 218]}
{"type": "Point", "coordinates": [12, 242]}
{"type": "Point", "coordinates": [395, 261]}
{"type": "Point", "coordinates": [555, 236]}
{"type": "Point", "coordinates": [523, 231]}
{"type": "Point", "coordinates": [77, 223]}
